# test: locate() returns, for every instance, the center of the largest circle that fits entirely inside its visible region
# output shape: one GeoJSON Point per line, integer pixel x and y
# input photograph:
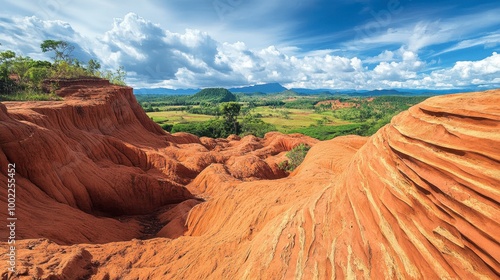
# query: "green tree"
{"type": "Point", "coordinates": [230, 112]}
{"type": "Point", "coordinates": [40, 63]}
{"type": "Point", "coordinates": [61, 49]}
{"type": "Point", "coordinates": [64, 69]}
{"type": "Point", "coordinates": [36, 75]}
{"type": "Point", "coordinates": [5, 63]}
{"type": "Point", "coordinates": [214, 128]}
{"type": "Point", "coordinates": [20, 66]}
{"type": "Point", "coordinates": [6, 85]}
{"type": "Point", "coordinates": [117, 77]}
{"type": "Point", "coordinates": [7, 55]}
{"type": "Point", "coordinates": [252, 125]}
{"type": "Point", "coordinates": [93, 66]}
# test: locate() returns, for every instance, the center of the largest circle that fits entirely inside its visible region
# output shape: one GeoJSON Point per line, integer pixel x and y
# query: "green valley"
{"type": "Point", "coordinates": [322, 116]}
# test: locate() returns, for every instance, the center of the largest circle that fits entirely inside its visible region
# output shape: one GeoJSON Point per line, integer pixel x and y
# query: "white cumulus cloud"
{"type": "Point", "coordinates": [156, 57]}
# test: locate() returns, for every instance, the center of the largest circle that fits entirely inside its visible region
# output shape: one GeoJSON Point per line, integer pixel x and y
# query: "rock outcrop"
{"type": "Point", "coordinates": [418, 200]}
{"type": "Point", "coordinates": [93, 167]}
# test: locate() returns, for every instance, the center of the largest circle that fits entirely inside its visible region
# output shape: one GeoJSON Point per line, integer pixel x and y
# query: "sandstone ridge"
{"type": "Point", "coordinates": [419, 199]}
{"type": "Point", "coordinates": [94, 168]}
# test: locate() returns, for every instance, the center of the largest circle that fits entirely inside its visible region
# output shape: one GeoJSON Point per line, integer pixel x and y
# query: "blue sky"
{"type": "Point", "coordinates": [356, 44]}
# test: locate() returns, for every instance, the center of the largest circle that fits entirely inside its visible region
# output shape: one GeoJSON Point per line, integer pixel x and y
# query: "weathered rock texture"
{"type": "Point", "coordinates": [419, 199]}
{"type": "Point", "coordinates": [94, 167]}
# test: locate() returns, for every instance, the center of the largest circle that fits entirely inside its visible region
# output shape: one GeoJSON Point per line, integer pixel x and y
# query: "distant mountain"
{"type": "Point", "coordinates": [312, 91]}
{"type": "Point", "coordinates": [350, 92]}
{"type": "Point", "coordinates": [381, 92]}
{"type": "Point", "coordinates": [287, 93]}
{"type": "Point", "coordinates": [265, 88]}
{"type": "Point", "coordinates": [166, 91]}
{"type": "Point", "coordinates": [409, 92]}
{"type": "Point", "coordinates": [254, 94]}
{"type": "Point", "coordinates": [278, 88]}
{"type": "Point", "coordinates": [403, 92]}
{"type": "Point", "coordinates": [440, 92]}
{"type": "Point", "coordinates": [213, 95]}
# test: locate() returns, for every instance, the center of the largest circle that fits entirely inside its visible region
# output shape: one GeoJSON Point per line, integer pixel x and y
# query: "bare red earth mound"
{"type": "Point", "coordinates": [94, 168]}
{"type": "Point", "coordinates": [419, 199]}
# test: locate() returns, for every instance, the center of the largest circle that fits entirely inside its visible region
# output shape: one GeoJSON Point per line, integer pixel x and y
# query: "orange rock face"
{"type": "Point", "coordinates": [419, 199]}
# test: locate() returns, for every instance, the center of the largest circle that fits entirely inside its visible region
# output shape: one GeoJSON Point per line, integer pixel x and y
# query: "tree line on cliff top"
{"type": "Point", "coordinates": [21, 77]}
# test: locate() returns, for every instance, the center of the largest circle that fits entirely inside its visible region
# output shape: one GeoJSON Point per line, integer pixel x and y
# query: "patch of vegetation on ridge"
{"type": "Point", "coordinates": [22, 78]}
{"type": "Point", "coordinates": [295, 157]}
{"type": "Point", "coordinates": [30, 96]}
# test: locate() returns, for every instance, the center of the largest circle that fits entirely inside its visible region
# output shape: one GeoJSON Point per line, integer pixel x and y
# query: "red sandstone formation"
{"type": "Point", "coordinates": [419, 199]}
{"type": "Point", "coordinates": [97, 156]}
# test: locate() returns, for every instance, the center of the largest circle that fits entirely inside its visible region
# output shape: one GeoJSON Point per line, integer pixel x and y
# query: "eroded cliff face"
{"type": "Point", "coordinates": [94, 168]}
{"type": "Point", "coordinates": [419, 199]}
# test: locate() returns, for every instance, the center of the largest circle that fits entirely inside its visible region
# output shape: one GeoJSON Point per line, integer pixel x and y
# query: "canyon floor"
{"type": "Point", "coordinates": [102, 192]}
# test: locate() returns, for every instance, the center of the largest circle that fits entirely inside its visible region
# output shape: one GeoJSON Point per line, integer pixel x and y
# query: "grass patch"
{"type": "Point", "coordinates": [329, 132]}
{"type": "Point", "coordinates": [175, 117]}
{"type": "Point", "coordinates": [295, 157]}
{"type": "Point", "coordinates": [295, 118]}
{"type": "Point", "coordinates": [30, 96]}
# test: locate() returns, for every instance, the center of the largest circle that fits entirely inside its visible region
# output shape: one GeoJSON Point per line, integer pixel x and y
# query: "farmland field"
{"type": "Point", "coordinates": [286, 120]}
{"type": "Point", "coordinates": [322, 117]}
{"type": "Point", "coordinates": [175, 117]}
